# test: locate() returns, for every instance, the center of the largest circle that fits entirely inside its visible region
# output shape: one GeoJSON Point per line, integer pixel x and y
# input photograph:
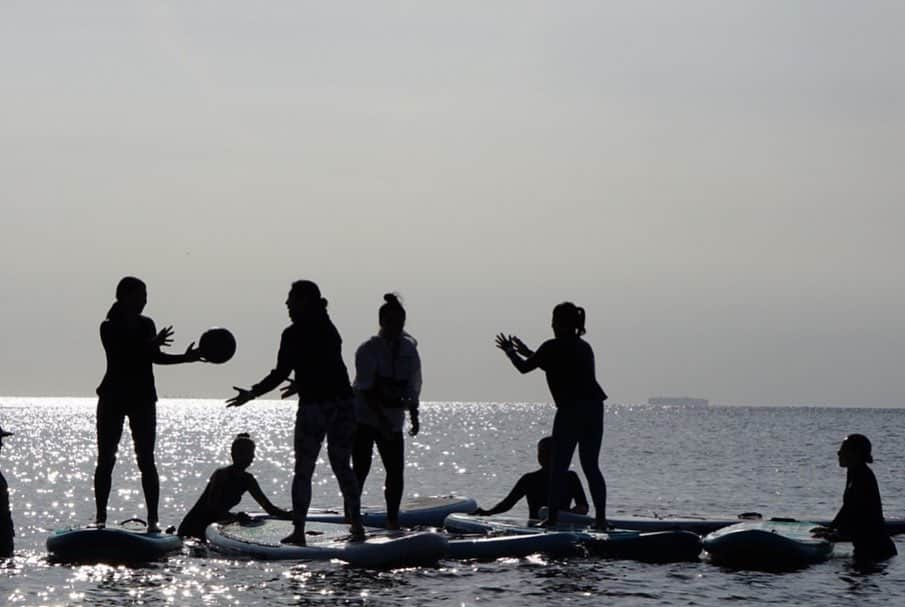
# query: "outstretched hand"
{"type": "Point", "coordinates": [163, 338]}
{"type": "Point", "coordinates": [192, 354]}
{"type": "Point", "coordinates": [241, 398]}
{"type": "Point", "coordinates": [504, 342]}
{"type": "Point", "coordinates": [289, 389]}
{"type": "Point", "coordinates": [520, 346]}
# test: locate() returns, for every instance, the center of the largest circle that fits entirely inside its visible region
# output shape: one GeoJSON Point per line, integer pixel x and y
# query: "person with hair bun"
{"type": "Point", "coordinates": [225, 489]}
{"type": "Point", "coordinates": [132, 346]}
{"type": "Point", "coordinates": [568, 362]}
{"type": "Point", "coordinates": [861, 517]}
{"type": "Point", "coordinates": [387, 383]}
{"type": "Point", "coordinates": [311, 348]}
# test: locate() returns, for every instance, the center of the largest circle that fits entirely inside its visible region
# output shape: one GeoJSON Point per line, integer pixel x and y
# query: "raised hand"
{"type": "Point", "coordinates": [163, 338]}
{"type": "Point", "coordinates": [289, 389]}
{"type": "Point", "coordinates": [520, 346]}
{"type": "Point", "coordinates": [504, 343]}
{"type": "Point", "coordinates": [241, 398]}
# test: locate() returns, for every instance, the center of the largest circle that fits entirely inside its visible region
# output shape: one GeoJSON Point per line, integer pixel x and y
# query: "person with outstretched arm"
{"type": "Point", "coordinates": [568, 362]}
{"type": "Point", "coordinates": [311, 348]}
{"type": "Point", "coordinates": [860, 519]}
{"type": "Point", "coordinates": [535, 486]}
{"type": "Point", "coordinates": [224, 491]}
{"type": "Point", "coordinates": [132, 346]}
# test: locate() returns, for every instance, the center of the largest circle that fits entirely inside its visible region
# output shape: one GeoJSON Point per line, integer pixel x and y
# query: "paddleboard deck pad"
{"type": "Point", "coordinates": [260, 539]}
{"type": "Point", "coordinates": [767, 545]}
{"type": "Point", "coordinates": [427, 511]}
{"type": "Point", "coordinates": [111, 544]}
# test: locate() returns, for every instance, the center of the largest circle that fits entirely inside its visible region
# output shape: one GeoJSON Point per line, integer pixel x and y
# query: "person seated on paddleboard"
{"type": "Point", "coordinates": [225, 489]}
{"type": "Point", "coordinates": [6, 518]}
{"type": "Point", "coordinates": [312, 348]}
{"type": "Point", "coordinates": [568, 362]}
{"type": "Point", "coordinates": [861, 517]}
{"type": "Point", "coordinates": [132, 346]}
{"type": "Point", "coordinates": [387, 383]}
{"type": "Point", "coordinates": [535, 486]}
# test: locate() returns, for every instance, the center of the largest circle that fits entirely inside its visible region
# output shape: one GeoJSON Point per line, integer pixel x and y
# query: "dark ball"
{"type": "Point", "coordinates": [217, 345]}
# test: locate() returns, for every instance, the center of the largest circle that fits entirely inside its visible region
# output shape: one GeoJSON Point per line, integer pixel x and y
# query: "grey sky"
{"type": "Point", "coordinates": [718, 183]}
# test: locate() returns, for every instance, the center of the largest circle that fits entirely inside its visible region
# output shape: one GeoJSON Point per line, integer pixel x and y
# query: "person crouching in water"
{"type": "Point", "coordinates": [536, 487]}
{"type": "Point", "coordinates": [225, 489]}
{"type": "Point", "coordinates": [861, 517]}
{"type": "Point", "coordinates": [387, 382]}
{"type": "Point", "coordinates": [311, 347]}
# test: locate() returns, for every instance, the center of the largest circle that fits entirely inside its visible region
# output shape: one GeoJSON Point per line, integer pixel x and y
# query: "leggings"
{"type": "Point", "coordinates": [578, 424]}
{"type": "Point", "coordinates": [143, 424]}
{"type": "Point", "coordinates": [391, 451]}
{"type": "Point", "coordinates": [334, 420]}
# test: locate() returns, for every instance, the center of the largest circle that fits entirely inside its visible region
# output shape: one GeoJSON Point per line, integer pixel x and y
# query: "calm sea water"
{"type": "Point", "coordinates": [669, 461]}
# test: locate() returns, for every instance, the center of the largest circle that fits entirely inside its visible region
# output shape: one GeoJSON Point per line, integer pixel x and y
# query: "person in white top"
{"type": "Point", "coordinates": [387, 383]}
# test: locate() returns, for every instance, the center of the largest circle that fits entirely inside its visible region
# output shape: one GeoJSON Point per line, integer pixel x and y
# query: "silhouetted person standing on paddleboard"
{"type": "Point", "coordinates": [568, 362]}
{"type": "Point", "coordinates": [861, 517]}
{"type": "Point", "coordinates": [387, 383]}
{"type": "Point", "coordinates": [312, 348]}
{"type": "Point", "coordinates": [132, 346]}
{"type": "Point", "coordinates": [225, 489]}
{"type": "Point", "coordinates": [6, 518]}
{"type": "Point", "coordinates": [535, 486]}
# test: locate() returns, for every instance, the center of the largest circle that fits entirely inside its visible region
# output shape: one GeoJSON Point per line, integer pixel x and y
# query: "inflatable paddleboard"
{"type": "Point", "coordinates": [767, 545]}
{"type": "Point", "coordinates": [660, 546]}
{"type": "Point", "coordinates": [111, 544]}
{"type": "Point", "coordinates": [514, 546]}
{"type": "Point", "coordinates": [260, 539]}
{"type": "Point", "coordinates": [428, 511]}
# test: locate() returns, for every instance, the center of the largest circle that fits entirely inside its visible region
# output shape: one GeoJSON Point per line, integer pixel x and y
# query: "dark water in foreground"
{"type": "Point", "coordinates": [716, 461]}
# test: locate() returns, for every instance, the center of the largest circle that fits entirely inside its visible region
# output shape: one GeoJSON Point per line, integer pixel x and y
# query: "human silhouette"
{"type": "Point", "coordinates": [225, 489]}
{"type": "Point", "coordinates": [312, 348]}
{"type": "Point", "coordinates": [861, 517]}
{"type": "Point", "coordinates": [568, 362]}
{"type": "Point", "coordinates": [132, 346]}
{"type": "Point", "coordinates": [535, 486]}
{"type": "Point", "coordinates": [6, 518]}
{"type": "Point", "coordinates": [387, 383]}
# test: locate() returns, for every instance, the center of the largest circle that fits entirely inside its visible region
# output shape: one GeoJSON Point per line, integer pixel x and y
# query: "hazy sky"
{"type": "Point", "coordinates": [719, 184]}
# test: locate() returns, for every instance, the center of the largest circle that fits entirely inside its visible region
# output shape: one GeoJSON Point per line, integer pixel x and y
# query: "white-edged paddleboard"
{"type": "Point", "coordinates": [514, 546]}
{"type": "Point", "coordinates": [260, 539]}
{"type": "Point", "coordinates": [426, 511]}
{"type": "Point", "coordinates": [112, 544]}
{"type": "Point", "coordinates": [658, 546]}
{"type": "Point", "coordinates": [767, 545]}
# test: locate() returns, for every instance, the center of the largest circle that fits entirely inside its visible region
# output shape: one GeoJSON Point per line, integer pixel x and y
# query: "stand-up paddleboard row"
{"type": "Point", "coordinates": [657, 546]}
{"type": "Point", "coordinates": [425, 511]}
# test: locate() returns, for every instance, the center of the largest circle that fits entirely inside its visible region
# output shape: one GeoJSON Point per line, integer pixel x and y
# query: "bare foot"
{"type": "Point", "coordinates": [153, 527]}
{"type": "Point", "coordinates": [296, 538]}
{"type": "Point", "coordinates": [357, 532]}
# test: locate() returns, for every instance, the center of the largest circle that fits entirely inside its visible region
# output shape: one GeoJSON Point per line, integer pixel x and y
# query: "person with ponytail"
{"type": "Point", "coordinates": [225, 489]}
{"type": "Point", "coordinates": [387, 383]}
{"type": "Point", "coordinates": [568, 362]}
{"type": "Point", "coordinates": [311, 348]}
{"type": "Point", "coordinates": [132, 346]}
{"type": "Point", "coordinates": [860, 520]}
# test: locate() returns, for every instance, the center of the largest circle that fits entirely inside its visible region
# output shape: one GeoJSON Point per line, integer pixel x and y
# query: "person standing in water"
{"type": "Point", "coordinates": [535, 486]}
{"type": "Point", "coordinates": [132, 346]}
{"type": "Point", "coordinates": [387, 382]}
{"type": "Point", "coordinates": [568, 362]}
{"type": "Point", "coordinates": [861, 517]}
{"type": "Point", "coordinates": [225, 489]}
{"type": "Point", "coordinates": [312, 348]}
{"type": "Point", "coordinates": [6, 518]}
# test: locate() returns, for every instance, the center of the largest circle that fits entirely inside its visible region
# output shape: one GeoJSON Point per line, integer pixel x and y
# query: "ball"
{"type": "Point", "coordinates": [217, 345]}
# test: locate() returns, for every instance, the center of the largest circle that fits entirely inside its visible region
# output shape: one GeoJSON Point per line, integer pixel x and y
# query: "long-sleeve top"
{"type": "Point", "coordinates": [130, 351]}
{"type": "Point", "coordinates": [861, 515]}
{"type": "Point", "coordinates": [568, 363]}
{"type": "Point", "coordinates": [377, 358]}
{"type": "Point", "coordinates": [312, 348]}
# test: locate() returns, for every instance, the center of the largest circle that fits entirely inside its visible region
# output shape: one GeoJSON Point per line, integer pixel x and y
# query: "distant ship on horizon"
{"type": "Point", "coordinates": [678, 401]}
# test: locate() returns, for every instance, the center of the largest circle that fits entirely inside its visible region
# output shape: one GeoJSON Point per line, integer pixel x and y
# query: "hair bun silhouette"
{"type": "Point", "coordinates": [392, 299]}
{"type": "Point", "coordinates": [243, 435]}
